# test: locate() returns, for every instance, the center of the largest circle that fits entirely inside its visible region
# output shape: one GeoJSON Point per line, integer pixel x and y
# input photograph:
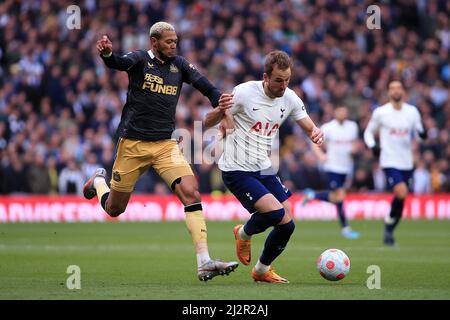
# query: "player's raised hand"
{"type": "Point", "coordinates": [317, 136]}
{"type": "Point", "coordinates": [104, 45]}
{"type": "Point", "coordinates": [225, 101]}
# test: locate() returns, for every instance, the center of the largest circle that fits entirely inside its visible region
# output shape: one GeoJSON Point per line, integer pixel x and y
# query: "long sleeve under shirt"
{"type": "Point", "coordinates": [153, 92]}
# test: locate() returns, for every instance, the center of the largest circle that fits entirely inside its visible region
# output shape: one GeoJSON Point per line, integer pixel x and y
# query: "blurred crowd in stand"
{"type": "Point", "coordinates": [60, 105]}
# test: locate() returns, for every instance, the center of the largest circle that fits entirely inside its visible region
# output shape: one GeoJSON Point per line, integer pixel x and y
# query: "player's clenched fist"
{"type": "Point", "coordinates": [225, 101]}
{"type": "Point", "coordinates": [104, 45]}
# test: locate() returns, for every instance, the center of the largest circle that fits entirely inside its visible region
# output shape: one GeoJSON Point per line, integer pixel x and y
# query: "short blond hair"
{"type": "Point", "coordinates": [158, 28]}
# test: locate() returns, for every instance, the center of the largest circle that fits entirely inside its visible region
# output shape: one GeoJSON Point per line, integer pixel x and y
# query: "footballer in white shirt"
{"type": "Point", "coordinates": [397, 123]}
{"type": "Point", "coordinates": [340, 135]}
{"type": "Point", "coordinates": [259, 109]}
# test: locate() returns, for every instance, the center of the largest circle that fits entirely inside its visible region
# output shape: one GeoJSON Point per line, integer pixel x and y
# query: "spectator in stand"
{"type": "Point", "coordinates": [38, 176]}
{"type": "Point", "coordinates": [16, 177]}
{"type": "Point", "coordinates": [53, 175]}
{"type": "Point", "coordinates": [71, 179]}
{"type": "Point", "coordinates": [422, 179]}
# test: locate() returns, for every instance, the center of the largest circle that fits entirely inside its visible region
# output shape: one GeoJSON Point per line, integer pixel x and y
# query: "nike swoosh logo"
{"type": "Point", "coordinates": [256, 109]}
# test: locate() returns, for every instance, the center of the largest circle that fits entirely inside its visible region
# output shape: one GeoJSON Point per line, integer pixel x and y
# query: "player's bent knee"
{"type": "Point", "coordinates": [187, 190]}
{"type": "Point", "coordinates": [337, 196]}
{"type": "Point", "coordinates": [274, 217]}
{"type": "Point", "coordinates": [115, 211]}
{"type": "Point", "coordinates": [177, 181]}
{"type": "Point", "coordinates": [286, 218]}
{"type": "Point", "coordinates": [401, 191]}
{"type": "Point", "coordinates": [402, 195]}
{"type": "Point", "coordinates": [190, 195]}
{"type": "Point", "coordinates": [288, 227]}
{"type": "Point", "coordinates": [341, 195]}
{"type": "Point", "coordinates": [287, 208]}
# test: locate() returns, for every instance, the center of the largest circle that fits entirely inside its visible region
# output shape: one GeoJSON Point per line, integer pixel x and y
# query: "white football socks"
{"type": "Point", "coordinates": [346, 229]}
{"type": "Point", "coordinates": [98, 181]}
{"type": "Point", "coordinates": [243, 235]}
{"type": "Point", "coordinates": [100, 187]}
{"type": "Point", "coordinates": [261, 268]}
{"type": "Point", "coordinates": [202, 258]}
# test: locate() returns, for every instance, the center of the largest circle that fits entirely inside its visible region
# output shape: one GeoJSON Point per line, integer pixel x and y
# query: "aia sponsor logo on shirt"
{"type": "Point", "coordinates": [399, 132]}
{"type": "Point", "coordinates": [264, 128]}
{"type": "Point", "coordinates": [337, 141]}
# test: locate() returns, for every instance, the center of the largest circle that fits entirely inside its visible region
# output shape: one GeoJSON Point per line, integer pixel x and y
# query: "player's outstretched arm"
{"type": "Point", "coordinates": [215, 116]}
{"type": "Point", "coordinates": [124, 63]}
{"type": "Point", "coordinates": [312, 131]}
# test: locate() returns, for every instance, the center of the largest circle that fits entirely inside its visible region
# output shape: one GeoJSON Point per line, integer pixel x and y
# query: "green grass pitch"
{"type": "Point", "coordinates": [157, 261]}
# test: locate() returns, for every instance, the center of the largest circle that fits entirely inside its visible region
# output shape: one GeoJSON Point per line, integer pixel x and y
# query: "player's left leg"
{"type": "Point", "coordinates": [131, 160]}
{"type": "Point", "coordinates": [391, 221]}
{"type": "Point", "coordinates": [248, 189]}
{"type": "Point", "coordinates": [399, 180]}
{"type": "Point", "coordinates": [280, 235]}
{"type": "Point", "coordinates": [177, 173]}
{"type": "Point", "coordinates": [334, 181]}
{"type": "Point", "coordinates": [266, 211]}
{"type": "Point", "coordinates": [274, 245]}
{"type": "Point", "coordinates": [337, 197]}
{"type": "Point", "coordinates": [335, 194]}
{"type": "Point", "coordinates": [186, 188]}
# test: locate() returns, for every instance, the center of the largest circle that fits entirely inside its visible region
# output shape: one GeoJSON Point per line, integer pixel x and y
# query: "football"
{"type": "Point", "coordinates": [333, 264]}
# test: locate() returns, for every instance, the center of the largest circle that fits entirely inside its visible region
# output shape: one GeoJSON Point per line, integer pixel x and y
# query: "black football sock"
{"type": "Point", "coordinates": [395, 215]}
{"type": "Point", "coordinates": [276, 242]}
{"type": "Point", "coordinates": [341, 214]}
{"type": "Point", "coordinates": [103, 201]}
{"type": "Point", "coordinates": [323, 195]}
{"type": "Point", "coordinates": [259, 222]}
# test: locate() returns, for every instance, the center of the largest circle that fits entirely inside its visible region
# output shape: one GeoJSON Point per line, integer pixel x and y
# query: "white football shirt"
{"type": "Point", "coordinates": [339, 140]}
{"type": "Point", "coordinates": [257, 120]}
{"type": "Point", "coordinates": [397, 130]}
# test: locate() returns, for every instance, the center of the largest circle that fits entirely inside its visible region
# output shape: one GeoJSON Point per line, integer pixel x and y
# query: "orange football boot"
{"type": "Point", "coordinates": [243, 247]}
{"type": "Point", "coordinates": [270, 276]}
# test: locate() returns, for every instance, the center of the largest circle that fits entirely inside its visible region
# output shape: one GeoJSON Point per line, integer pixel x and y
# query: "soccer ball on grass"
{"type": "Point", "coordinates": [333, 264]}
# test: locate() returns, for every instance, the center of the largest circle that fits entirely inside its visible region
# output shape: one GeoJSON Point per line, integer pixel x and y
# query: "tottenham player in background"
{"type": "Point", "coordinates": [340, 136]}
{"type": "Point", "coordinates": [145, 131]}
{"type": "Point", "coordinates": [398, 123]}
{"type": "Point", "coordinates": [259, 108]}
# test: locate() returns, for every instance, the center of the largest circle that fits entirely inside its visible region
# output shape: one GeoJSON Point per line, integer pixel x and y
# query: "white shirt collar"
{"type": "Point", "coordinates": [150, 53]}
